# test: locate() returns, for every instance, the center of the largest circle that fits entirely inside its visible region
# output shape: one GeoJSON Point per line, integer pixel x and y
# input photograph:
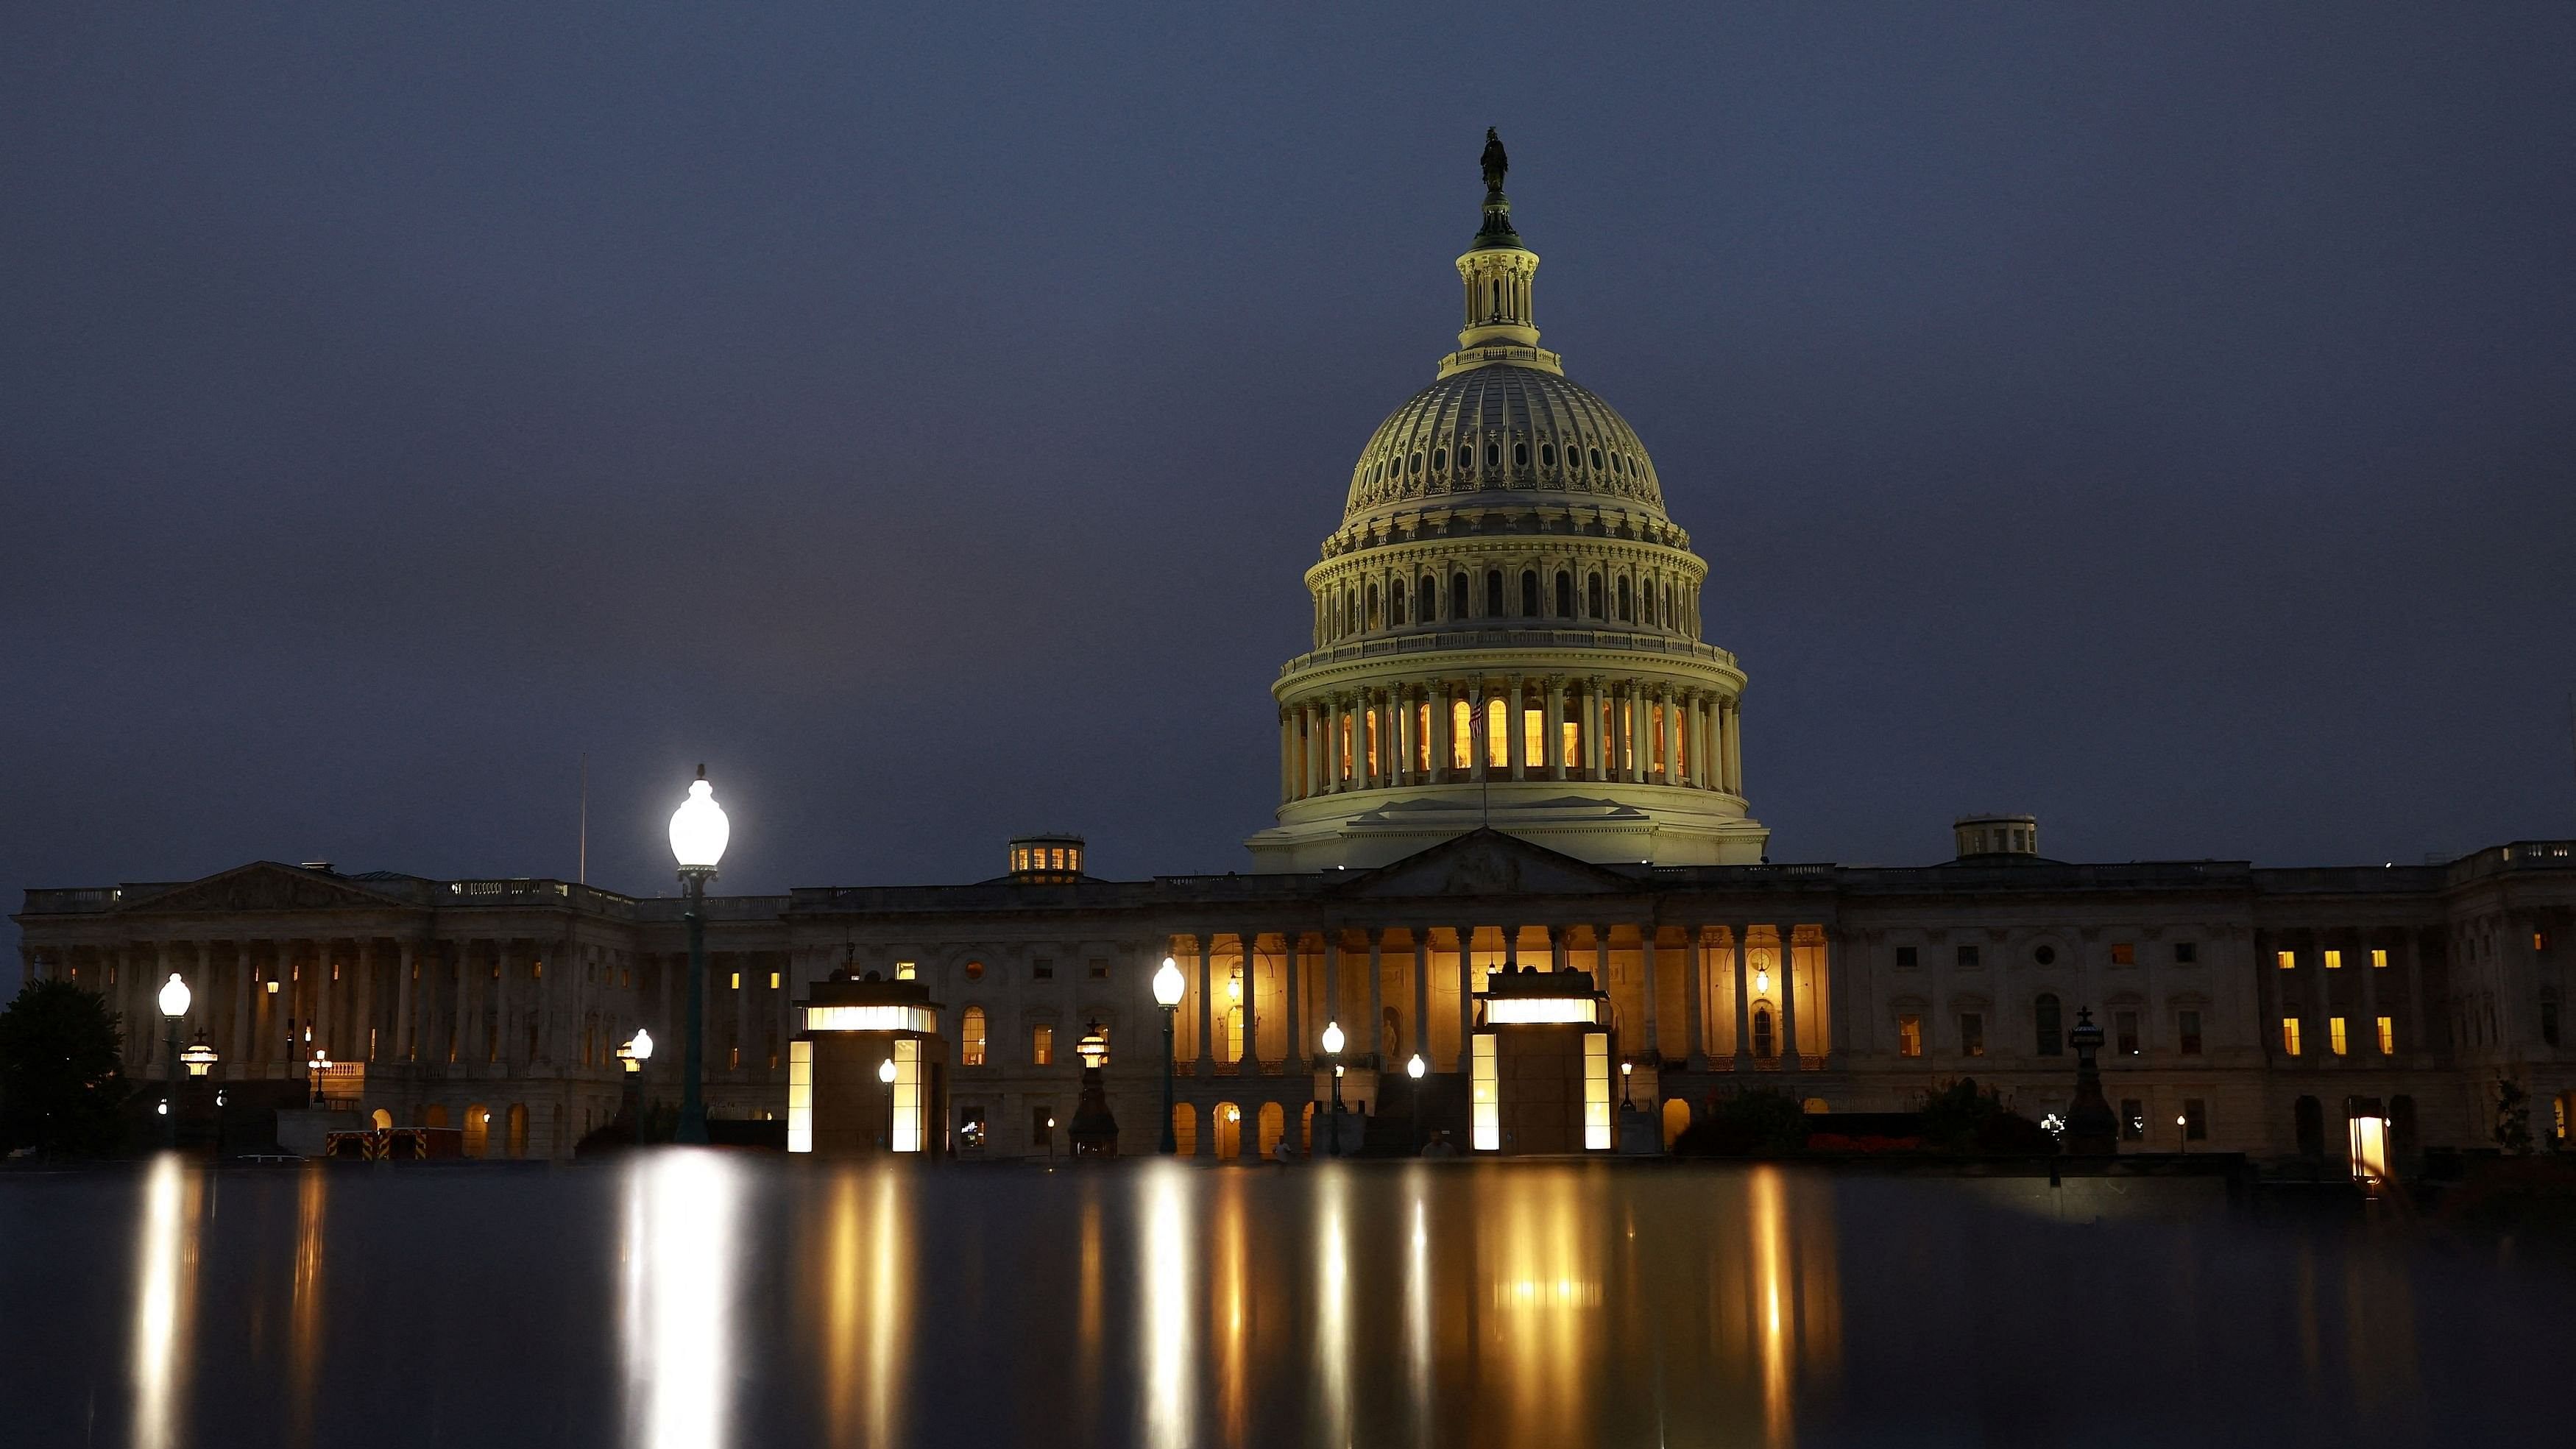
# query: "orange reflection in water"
{"type": "Point", "coordinates": [1544, 1263]}
{"type": "Point", "coordinates": [165, 1283]}
{"type": "Point", "coordinates": [866, 1268]}
{"type": "Point", "coordinates": [1791, 1294]}
{"type": "Point", "coordinates": [304, 1317]}
{"type": "Point", "coordinates": [1230, 1304]}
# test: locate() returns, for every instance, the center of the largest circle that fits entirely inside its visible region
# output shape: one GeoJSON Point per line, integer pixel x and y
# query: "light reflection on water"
{"type": "Point", "coordinates": [698, 1300]}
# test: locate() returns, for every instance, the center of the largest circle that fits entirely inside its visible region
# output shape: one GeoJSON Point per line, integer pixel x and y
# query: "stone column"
{"type": "Point", "coordinates": [407, 954]}
{"type": "Point", "coordinates": [362, 1044]}
{"type": "Point", "coordinates": [1695, 981]}
{"type": "Point", "coordinates": [1646, 934]}
{"type": "Point", "coordinates": [1641, 718]}
{"type": "Point", "coordinates": [1400, 706]}
{"type": "Point", "coordinates": [1555, 739]}
{"type": "Point", "coordinates": [1734, 755]}
{"type": "Point", "coordinates": [1466, 999]}
{"type": "Point", "coordinates": [1377, 997]}
{"type": "Point", "coordinates": [1422, 994]}
{"type": "Point", "coordinates": [1203, 947]}
{"type": "Point", "coordinates": [1743, 999]}
{"type": "Point", "coordinates": [1516, 729]}
{"type": "Point", "coordinates": [1672, 737]}
{"type": "Point", "coordinates": [1251, 942]}
{"type": "Point", "coordinates": [1512, 948]}
{"type": "Point", "coordinates": [1292, 949]}
{"type": "Point", "coordinates": [1789, 1047]}
{"type": "Point", "coordinates": [1438, 694]}
{"type": "Point", "coordinates": [326, 1008]}
{"type": "Point", "coordinates": [1589, 696]}
{"type": "Point", "coordinates": [244, 1005]}
{"type": "Point", "coordinates": [2369, 996]}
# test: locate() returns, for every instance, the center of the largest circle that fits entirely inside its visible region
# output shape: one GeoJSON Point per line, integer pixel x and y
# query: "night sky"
{"type": "Point", "coordinates": [2157, 418]}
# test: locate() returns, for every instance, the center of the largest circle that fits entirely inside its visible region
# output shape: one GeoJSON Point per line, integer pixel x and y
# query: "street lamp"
{"type": "Point", "coordinates": [174, 1005]}
{"type": "Point", "coordinates": [632, 1054]}
{"type": "Point", "coordinates": [885, 1074]}
{"type": "Point", "coordinates": [320, 1063]}
{"type": "Point", "coordinates": [1333, 1040]}
{"type": "Point", "coordinates": [2182, 1133]}
{"type": "Point", "coordinates": [698, 834]}
{"type": "Point", "coordinates": [1414, 1068]}
{"type": "Point", "coordinates": [1626, 1070]}
{"type": "Point", "coordinates": [1167, 994]}
{"type": "Point", "coordinates": [199, 1058]}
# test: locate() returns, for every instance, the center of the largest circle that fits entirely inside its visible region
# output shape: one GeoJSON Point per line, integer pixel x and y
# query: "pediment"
{"type": "Point", "coordinates": [1488, 862]}
{"type": "Point", "coordinates": [262, 886]}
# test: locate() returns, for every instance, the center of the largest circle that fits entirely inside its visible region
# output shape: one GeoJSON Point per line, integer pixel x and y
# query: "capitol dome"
{"type": "Point", "coordinates": [1507, 624]}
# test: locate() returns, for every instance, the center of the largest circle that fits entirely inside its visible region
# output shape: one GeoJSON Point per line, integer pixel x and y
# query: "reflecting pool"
{"type": "Point", "coordinates": [694, 1300]}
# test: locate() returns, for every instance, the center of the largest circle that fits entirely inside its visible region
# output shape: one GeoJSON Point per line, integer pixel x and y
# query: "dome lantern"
{"type": "Point", "coordinates": [1498, 273]}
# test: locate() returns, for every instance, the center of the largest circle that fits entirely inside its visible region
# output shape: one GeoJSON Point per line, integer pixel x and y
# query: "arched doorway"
{"type": "Point", "coordinates": [1766, 1042]}
{"type": "Point", "coordinates": [1229, 1131]}
{"type": "Point", "coordinates": [1273, 1125]}
{"type": "Point", "coordinates": [2309, 1118]}
{"type": "Point", "coordinates": [1306, 1130]}
{"type": "Point", "coordinates": [434, 1115]}
{"type": "Point", "coordinates": [518, 1120]}
{"type": "Point", "coordinates": [1185, 1129]}
{"type": "Point", "coordinates": [1677, 1115]}
{"type": "Point", "coordinates": [382, 1119]}
{"type": "Point", "coordinates": [478, 1129]}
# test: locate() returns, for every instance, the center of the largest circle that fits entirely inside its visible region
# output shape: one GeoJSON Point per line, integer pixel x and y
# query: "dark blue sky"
{"type": "Point", "coordinates": [2160, 418]}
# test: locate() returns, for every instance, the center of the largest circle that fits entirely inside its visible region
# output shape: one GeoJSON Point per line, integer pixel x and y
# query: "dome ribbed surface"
{"type": "Point", "coordinates": [1524, 431]}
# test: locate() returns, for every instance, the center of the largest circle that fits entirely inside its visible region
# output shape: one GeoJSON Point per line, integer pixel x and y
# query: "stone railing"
{"type": "Point", "coordinates": [1438, 641]}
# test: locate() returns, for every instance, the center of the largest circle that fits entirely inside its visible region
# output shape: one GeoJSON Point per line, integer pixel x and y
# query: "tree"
{"type": "Point", "coordinates": [62, 1086]}
{"type": "Point", "coordinates": [1963, 1117]}
{"type": "Point", "coordinates": [1754, 1123]}
{"type": "Point", "coordinates": [2513, 1116]}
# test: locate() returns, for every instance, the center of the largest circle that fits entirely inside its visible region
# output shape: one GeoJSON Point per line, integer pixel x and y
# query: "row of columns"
{"type": "Point", "coordinates": [1668, 602]}
{"type": "Point", "coordinates": [1202, 952]}
{"type": "Point", "coordinates": [1635, 731]}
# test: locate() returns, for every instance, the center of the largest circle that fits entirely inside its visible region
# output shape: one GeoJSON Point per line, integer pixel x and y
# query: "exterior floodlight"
{"type": "Point", "coordinates": [174, 996]}
{"type": "Point", "coordinates": [1168, 984]}
{"type": "Point", "coordinates": [885, 1071]}
{"type": "Point", "coordinates": [1414, 1068]}
{"type": "Point", "coordinates": [642, 1045]}
{"type": "Point", "coordinates": [698, 827]}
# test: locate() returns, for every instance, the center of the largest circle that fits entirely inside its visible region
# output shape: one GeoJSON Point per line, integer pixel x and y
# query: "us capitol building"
{"type": "Point", "coordinates": [1510, 746]}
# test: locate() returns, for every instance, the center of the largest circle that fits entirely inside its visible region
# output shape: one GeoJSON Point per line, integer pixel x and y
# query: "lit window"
{"type": "Point", "coordinates": [737, 981]}
{"type": "Point", "coordinates": [2335, 1041]}
{"type": "Point", "coordinates": [1422, 738]}
{"type": "Point", "coordinates": [1534, 736]}
{"type": "Point", "coordinates": [2388, 1036]}
{"type": "Point", "coordinates": [2286, 960]}
{"type": "Point", "coordinates": [1462, 734]}
{"type": "Point", "coordinates": [1042, 1046]}
{"type": "Point", "coordinates": [2189, 1033]}
{"type": "Point", "coordinates": [2124, 953]}
{"type": "Point", "coordinates": [1972, 1034]}
{"type": "Point", "coordinates": [2290, 1035]}
{"type": "Point", "coordinates": [1572, 739]}
{"type": "Point", "coordinates": [2334, 960]}
{"type": "Point", "coordinates": [1909, 1035]}
{"type": "Point", "coordinates": [773, 981]}
{"type": "Point", "coordinates": [2379, 959]}
{"type": "Point", "coordinates": [903, 971]}
{"type": "Point", "coordinates": [1498, 734]}
{"type": "Point", "coordinates": [970, 1032]}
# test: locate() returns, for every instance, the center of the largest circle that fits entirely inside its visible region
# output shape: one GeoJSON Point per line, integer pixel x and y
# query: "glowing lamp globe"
{"type": "Point", "coordinates": [1168, 984]}
{"type": "Point", "coordinates": [1414, 1068]}
{"type": "Point", "coordinates": [885, 1071]}
{"type": "Point", "coordinates": [174, 996]}
{"type": "Point", "coordinates": [1333, 1038]}
{"type": "Point", "coordinates": [698, 827]}
{"type": "Point", "coordinates": [1093, 1048]}
{"type": "Point", "coordinates": [199, 1058]}
{"type": "Point", "coordinates": [642, 1045]}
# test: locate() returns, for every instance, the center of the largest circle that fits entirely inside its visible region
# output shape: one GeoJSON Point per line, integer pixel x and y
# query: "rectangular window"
{"type": "Point", "coordinates": [1909, 1035]}
{"type": "Point", "coordinates": [1343, 725]}
{"type": "Point", "coordinates": [1042, 969]}
{"type": "Point", "coordinates": [800, 1096]}
{"type": "Point", "coordinates": [2378, 959]}
{"type": "Point", "coordinates": [2195, 1119]}
{"type": "Point", "coordinates": [1041, 1127]}
{"type": "Point", "coordinates": [1972, 1034]}
{"type": "Point", "coordinates": [1099, 970]}
{"type": "Point", "coordinates": [2133, 1120]}
{"type": "Point", "coordinates": [2186, 953]}
{"type": "Point", "coordinates": [2124, 953]}
{"type": "Point", "coordinates": [1655, 737]}
{"type": "Point", "coordinates": [1484, 1098]}
{"type": "Point", "coordinates": [2290, 1036]}
{"type": "Point", "coordinates": [773, 981]}
{"type": "Point", "coordinates": [971, 1040]}
{"type": "Point", "coordinates": [903, 971]}
{"type": "Point", "coordinates": [2336, 1041]}
{"type": "Point", "coordinates": [1422, 738]}
{"type": "Point", "coordinates": [1905, 956]}
{"type": "Point", "coordinates": [2125, 1026]}
{"type": "Point", "coordinates": [1571, 735]}
{"type": "Point", "coordinates": [1042, 1046]}
{"type": "Point", "coordinates": [1534, 738]}
{"type": "Point", "coordinates": [2334, 960]}
{"type": "Point", "coordinates": [1371, 720]}
{"type": "Point", "coordinates": [1462, 734]}
{"type": "Point", "coordinates": [1967, 955]}
{"type": "Point", "coordinates": [2286, 960]}
{"type": "Point", "coordinates": [2548, 1023]}
{"type": "Point", "coordinates": [2189, 1033]}
{"type": "Point", "coordinates": [2388, 1036]}
{"type": "Point", "coordinates": [736, 984]}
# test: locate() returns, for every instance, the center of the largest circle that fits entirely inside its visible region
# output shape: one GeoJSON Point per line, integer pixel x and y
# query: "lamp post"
{"type": "Point", "coordinates": [174, 1005]}
{"type": "Point", "coordinates": [320, 1061]}
{"type": "Point", "coordinates": [200, 1059]}
{"type": "Point", "coordinates": [698, 834]}
{"type": "Point", "coordinates": [1414, 1069]}
{"type": "Point", "coordinates": [1626, 1070]}
{"type": "Point", "coordinates": [1167, 994]}
{"type": "Point", "coordinates": [2182, 1134]}
{"type": "Point", "coordinates": [632, 1054]}
{"type": "Point", "coordinates": [885, 1074]}
{"type": "Point", "coordinates": [1333, 1041]}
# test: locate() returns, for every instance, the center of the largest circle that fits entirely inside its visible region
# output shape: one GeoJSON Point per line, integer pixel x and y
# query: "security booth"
{"type": "Point", "coordinates": [1540, 1064]}
{"type": "Point", "coordinates": [867, 1072]}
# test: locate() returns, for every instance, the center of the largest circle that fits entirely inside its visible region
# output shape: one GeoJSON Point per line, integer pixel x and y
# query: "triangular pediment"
{"type": "Point", "coordinates": [263, 886]}
{"type": "Point", "coordinates": [1489, 863]}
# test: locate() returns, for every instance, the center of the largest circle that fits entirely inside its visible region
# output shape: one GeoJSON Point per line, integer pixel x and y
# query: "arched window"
{"type": "Point", "coordinates": [1592, 596]}
{"type": "Point", "coordinates": [1439, 460]}
{"type": "Point", "coordinates": [1395, 602]}
{"type": "Point", "coordinates": [1596, 460]}
{"type": "Point", "coordinates": [1573, 457]}
{"type": "Point", "coordinates": [1520, 455]}
{"type": "Point", "coordinates": [2052, 1041]}
{"type": "Point", "coordinates": [1547, 455]}
{"type": "Point", "coordinates": [1627, 602]}
{"type": "Point", "coordinates": [1426, 600]}
{"type": "Point", "coordinates": [1466, 457]}
{"type": "Point", "coordinates": [1653, 615]}
{"type": "Point", "coordinates": [1417, 465]}
{"type": "Point", "coordinates": [1529, 593]}
{"type": "Point", "coordinates": [1564, 594]}
{"type": "Point", "coordinates": [1458, 597]}
{"type": "Point", "coordinates": [1373, 615]}
{"type": "Point", "coordinates": [1493, 593]}
{"type": "Point", "coordinates": [1498, 733]}
{"type": "Point", "coordinates": [970, 1038]}
{"type": "Point", "coordinates": [1766, 1045]}
{"type": "Point", "coordinates": [1493, 456]}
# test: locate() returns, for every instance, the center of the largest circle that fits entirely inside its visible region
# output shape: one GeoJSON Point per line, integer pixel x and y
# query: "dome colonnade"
{"type": "Point", "coordinates": [1506, 610]}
